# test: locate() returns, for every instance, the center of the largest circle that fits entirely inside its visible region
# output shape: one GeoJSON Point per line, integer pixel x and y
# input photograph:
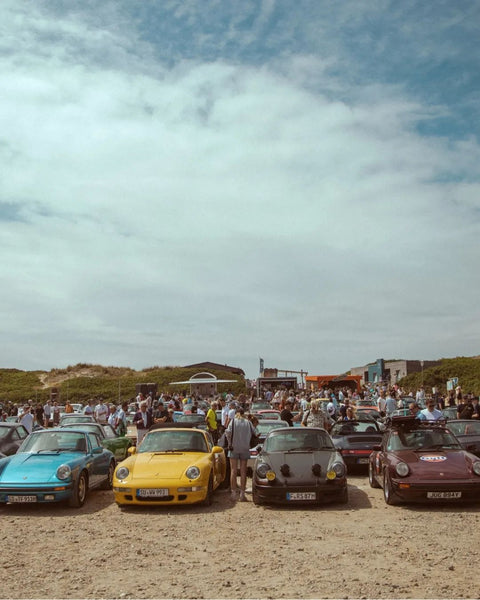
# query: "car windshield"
{"type": "Point", "coordinates": [4, 431]}
{"type": "Point", "coordinates": [422, 439]}
{"type": "Point", "coordinates": [297, 439]}
{"type": "Point", "coordinates": [174, 441]}
{"type": "Point", "coordinates": [464, 428]}
{"type": "Point", "coordinates": [88, 427]}
{"type": "Point", "coordinates": [349, 427]}
{"type": "Point", "coordinates": [264, 428]}
{"type": "Point", "coordinates": [55, 441]}
{"type": "Point", "coordinates": [76, 419]}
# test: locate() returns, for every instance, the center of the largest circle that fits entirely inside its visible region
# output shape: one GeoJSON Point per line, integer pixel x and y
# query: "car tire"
{"type": "Point", "coordinates": [80, 491]}
{"type": "Point", "coordinates": [344, 496]}
{"type": "Point", "coordinates": [388, 494]}
{"type": "Point", "coordinates": [208, 498]}
{"type": "Point", "coordinates": [371, 477]}
{"type": "Point", "coordinates": [256, 497]}
{"type": "Point", "coordinates": [107, 485]}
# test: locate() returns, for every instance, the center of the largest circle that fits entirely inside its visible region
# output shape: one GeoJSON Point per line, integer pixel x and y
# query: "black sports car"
{"type": "Point", "coordinates": [299, 465]}
{"type": "Point", "coordinates": [11, 437]}
{"type": "Point", "coordinates": [467, 432]}
{"type": "Point", "coordinates": [356, 440]}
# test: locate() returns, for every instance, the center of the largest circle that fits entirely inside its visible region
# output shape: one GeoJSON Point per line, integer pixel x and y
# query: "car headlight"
{"type": "Point", "coordinates": [63, 472]}
{"type": "Point", "coordinates": [402, 469]}
{"type": "Point", "coordinates": [262, 470]}
{"type": "Point", "coordinates": [336, 470]}
{"type": "Point", "coordinates": [193, 473]}
{"type": "Point", "coordinates": [476, 467]}
{"type": "Point", "coordinates": [122, 473]}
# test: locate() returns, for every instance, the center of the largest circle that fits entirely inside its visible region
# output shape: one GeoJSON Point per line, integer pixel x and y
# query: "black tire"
{"type": "Point", "coordinates": [107, 484]}
{"type": "Point", "coordinates": [388, 494]}
{"type": "Point", "coordinates": [208, 498]}
{"type": "Point", "coordinates": [371, 477]}
{"type": "Point", "coordinates": [80, 491]}
{"type": "Point", "coordinates": [344, 496]}
{"type": "Point", "coordinates": [256, 497]}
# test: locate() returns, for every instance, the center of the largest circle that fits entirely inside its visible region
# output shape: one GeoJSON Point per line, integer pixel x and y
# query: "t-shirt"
{"type": "Point", "coordinates": [211, 419]}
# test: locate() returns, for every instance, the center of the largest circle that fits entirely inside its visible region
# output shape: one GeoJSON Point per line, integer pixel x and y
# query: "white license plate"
{"type": "Point", "coordinates": [362, 461]}
{"type": "Point", "coordinates": [444, 494]}
{"type": "Point", "coordinates": [155, 493]}
{"type": "Point", "coordinates": [301, 496]}
{"type": "Point", "coordinates": [22, 498]}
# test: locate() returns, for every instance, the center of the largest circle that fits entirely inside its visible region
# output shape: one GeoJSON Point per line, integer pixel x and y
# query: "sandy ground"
{"type": "Point", "coordinates": [365, 549]}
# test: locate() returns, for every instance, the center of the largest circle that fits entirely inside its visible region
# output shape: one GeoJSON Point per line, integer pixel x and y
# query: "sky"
{"type": "Point", "coordinates": [187, 181]}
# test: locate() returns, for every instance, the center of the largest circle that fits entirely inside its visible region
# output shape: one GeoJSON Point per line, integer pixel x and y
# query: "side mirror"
{"type": "Point", "coordinates": [97, 450]}
{"type": "Point", "coordinates": [132, 450]}
{"type": "Point", "coordinates": [217, 449]}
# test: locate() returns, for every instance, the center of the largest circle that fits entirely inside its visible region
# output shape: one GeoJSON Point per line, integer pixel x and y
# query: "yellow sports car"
{"type": "Point", "coordinates": [171, 466]}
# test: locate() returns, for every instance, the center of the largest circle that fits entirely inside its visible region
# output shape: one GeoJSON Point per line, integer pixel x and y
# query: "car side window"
{"type": "Point", "coordinates": [94, 440]}
{"type": "Point", "coordinates": [22, 432]}
{"type": "Point", "coordinates": [16, 434]}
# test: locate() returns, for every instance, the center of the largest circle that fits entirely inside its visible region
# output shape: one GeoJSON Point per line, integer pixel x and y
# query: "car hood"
{"type": "Point", "coordinates": [165, 465]}
{"type": "Point", "coordinates": [300, 463]}
{"type": "Point", "coordinates": [454, 464]}
{"type": "Point", "coordinates": [35, 468]}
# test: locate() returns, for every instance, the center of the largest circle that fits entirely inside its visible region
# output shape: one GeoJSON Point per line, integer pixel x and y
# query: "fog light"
{"type": "Point", "coordinates": [123, 490]}
{"type": "Point", "coordinates": [331, 475]}
{"type": "Point", "coordinates": [271, 475]}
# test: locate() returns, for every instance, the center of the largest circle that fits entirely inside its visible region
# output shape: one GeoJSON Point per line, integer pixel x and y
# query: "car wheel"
{"type": "Point", "coordinates": [208, 498]}
{"type": "Point", "coordinates": [256, 497]}
{"type": "Point", "coordinates": [80, 490]}
{"type": "Point", "coordinates": [388, 494]}
{"type": "Point", "coordinates": [344, 496]}
{"type": "Point", "coordinates": [371, 477]}
{"type": "Point", "coordinates": [107, 485]}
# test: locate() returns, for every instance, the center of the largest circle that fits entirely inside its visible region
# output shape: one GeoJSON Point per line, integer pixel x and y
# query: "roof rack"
{"type": "Point", "coordinates": [411, 422]}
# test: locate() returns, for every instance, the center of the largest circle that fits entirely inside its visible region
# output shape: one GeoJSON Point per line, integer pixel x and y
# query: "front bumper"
{"type": "Point", "coordinates": [419, 492]}
{"type": "Point", "coordinates": [19, 494]}
{"type": "Point", "coordinates": [187, 493]}
{"type": "Point", "coordinates": [328, 491]}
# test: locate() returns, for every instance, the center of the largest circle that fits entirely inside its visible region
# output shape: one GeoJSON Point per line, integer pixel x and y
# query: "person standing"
{"type": "Point", "coordinates": [315, 416]}
{"type": "Point", "coordinates": [239, 433]}
{"type": "Point", "coordinates": [121, 420]}
{"type": "Point", "coordinates": [56, 414]}
{"type": "Point", "coordinates": [101, 412]}
{"type": "Point", "coordinates": [27, 419]}
{"type": "Point", "coordinates": [431, 413]}
{"type": "Point", "coordinates": [89, 410]}
{"type": "Point", "coordinates": [211, 421]}
{"type": "Point", "coordinates": [143, 419]}
{"type": "Point", "coordinates": [390, 404]}
{"type": "Point", "coordinates": [47, 413]}
{"type": "Point", "coordinates": [286, 413]}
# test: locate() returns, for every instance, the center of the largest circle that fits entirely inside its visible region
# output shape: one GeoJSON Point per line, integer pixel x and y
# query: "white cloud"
{"type": "Point", "coordinates": [218, 210]}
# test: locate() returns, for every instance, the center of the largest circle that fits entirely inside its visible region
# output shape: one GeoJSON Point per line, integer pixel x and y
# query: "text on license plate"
{"type": "Point", "coordinates": [22, 499]}
{"type": "Point", "coordinates": [444, 494]}
{"type": "Point", "coordinates": [363, 461]}
{"type": "Point", "coordinates": [301, 496]}
{"type": "Point", "coordinates": [154, 493]}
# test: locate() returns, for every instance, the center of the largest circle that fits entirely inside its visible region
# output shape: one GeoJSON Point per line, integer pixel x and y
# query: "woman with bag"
{"type": "Point", "coordinates": [239, 433]}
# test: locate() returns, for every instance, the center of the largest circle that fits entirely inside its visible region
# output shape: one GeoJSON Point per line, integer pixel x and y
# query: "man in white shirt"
{"type": "Point", "coordinates": [27, 419]}
{"type": "Point", "coordinates": [431, 413]}
{"type": "Point", "coordinates": [101, 412]}
{"type": "Point", "coordinates": [47, 413]}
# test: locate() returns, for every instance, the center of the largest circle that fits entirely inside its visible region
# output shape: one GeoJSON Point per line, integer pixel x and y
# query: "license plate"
{"type": "Point", "coordinates": [444, 494]}
{"type": "Point", "coordinates": [301, 496]}
{"type": "Point", "coordinates": [155, 493]}
{"type": "Point", "coordinates": [362, 461]}
{"type": "Point", "coordinates": [22, 499]}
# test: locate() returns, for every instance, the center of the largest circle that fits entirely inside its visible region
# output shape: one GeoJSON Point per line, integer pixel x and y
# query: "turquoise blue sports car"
{"type": "Point", "coordinates": [54, 465]}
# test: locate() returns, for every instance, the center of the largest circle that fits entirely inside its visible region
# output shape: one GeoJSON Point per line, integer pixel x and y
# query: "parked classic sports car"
{"type": "Point", "coordinates": [299, 465]}
{"type": "Point", "coordinates": [117, 444]}
{"type": "Point", "coordinates": [355, 440]}
{"type": "Point", "coordinates": [422, 461]}
{"type": "Point", "coordinates": [11, 437]}
{"type": "Point", "coordinates": [74, 418]}
{"type": "Point", "coordinates": [56, 464]}
{"type": "Point", "coordinates": [172, 465]}
{"type": "Point", "coordinates": [467, 432]}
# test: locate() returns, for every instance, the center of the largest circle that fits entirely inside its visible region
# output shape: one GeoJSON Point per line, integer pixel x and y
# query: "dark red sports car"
{"type": "Point", "coordinates": [422, 461]}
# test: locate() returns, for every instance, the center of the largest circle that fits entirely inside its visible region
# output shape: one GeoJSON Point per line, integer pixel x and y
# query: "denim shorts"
{"type": "Point", "coordinates": [239, 455]}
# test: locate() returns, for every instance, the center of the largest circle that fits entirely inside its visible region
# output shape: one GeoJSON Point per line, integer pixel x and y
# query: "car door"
{"type": "Point", "coordinates": [99, 461]}
{"type": "Point", "coordinates": [116, 444]}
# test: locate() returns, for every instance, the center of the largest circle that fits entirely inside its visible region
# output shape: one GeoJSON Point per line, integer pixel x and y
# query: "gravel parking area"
{"type": "Point", "coordinates": [364, 549]}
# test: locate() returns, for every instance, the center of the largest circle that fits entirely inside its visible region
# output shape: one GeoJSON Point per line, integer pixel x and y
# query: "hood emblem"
{"type": "Point", "coordinates": [433, 458]}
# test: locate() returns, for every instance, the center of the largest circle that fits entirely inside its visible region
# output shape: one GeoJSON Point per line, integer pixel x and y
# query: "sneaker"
{"type": "Point", "coordinates": [233, 495]}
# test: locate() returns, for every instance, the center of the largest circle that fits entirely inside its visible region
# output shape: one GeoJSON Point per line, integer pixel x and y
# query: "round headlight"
{"type": "Point", "coordinates": [476, 467]}
{"type": "Point", "coordinates": [64, 472]}
{"type": "Point", "coordinates": [122, 473]}
{"type": "Point", "coordinates": [193, 473]}
{"type": "Point", "coordinates": [402, 469]}
{"type": "Point", "coordinates": [262, 470]}
{"type": "Point", "coordinates": [339, 469]}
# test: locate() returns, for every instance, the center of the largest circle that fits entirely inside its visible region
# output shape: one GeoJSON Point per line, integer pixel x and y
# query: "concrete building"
{"type": "Point", "coordinates": [391, 371]}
